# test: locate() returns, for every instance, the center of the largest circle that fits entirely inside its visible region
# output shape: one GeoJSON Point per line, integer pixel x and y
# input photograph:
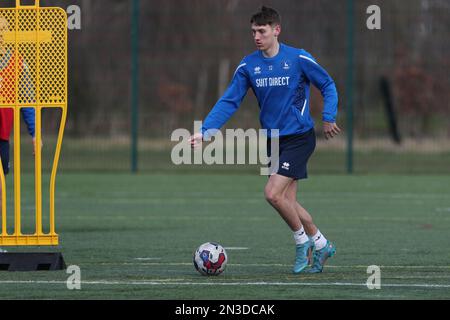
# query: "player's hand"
{"type": "Point", "coordinates": [330, 130]}
{"type": "Point", "coordinates": [196, 140]}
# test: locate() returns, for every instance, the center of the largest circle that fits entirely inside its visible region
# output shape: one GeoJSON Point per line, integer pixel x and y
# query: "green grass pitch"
{"type": "Point", "coordinates": [133, 237]}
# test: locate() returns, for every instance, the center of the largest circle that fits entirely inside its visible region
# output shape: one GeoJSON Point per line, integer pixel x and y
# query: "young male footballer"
{"type": "Point", "coordinates": [280, 76]}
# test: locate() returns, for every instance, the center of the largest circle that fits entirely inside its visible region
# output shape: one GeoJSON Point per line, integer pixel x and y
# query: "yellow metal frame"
{"type": "Point", "coordinates": [38, 37]}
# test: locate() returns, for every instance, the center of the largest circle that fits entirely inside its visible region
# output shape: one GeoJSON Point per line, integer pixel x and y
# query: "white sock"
{"type": "Point", "coordinates": [300, 236]}
{"type": "Point", "coordinates": [319, 240]}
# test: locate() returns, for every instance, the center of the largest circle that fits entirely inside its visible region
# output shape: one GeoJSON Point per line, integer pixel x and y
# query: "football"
{"type": "Point", "coordinates": [210, 259]}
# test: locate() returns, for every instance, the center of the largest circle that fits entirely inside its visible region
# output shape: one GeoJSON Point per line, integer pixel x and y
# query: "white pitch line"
{"type": "Point", "coordinates": [236, 248]}
{"type": "Point", "coordinates": [270, 265]}
{"type": "Point", "coordinates": [261, 283]}
{"type": "Point", "coordinates": [147, 259]}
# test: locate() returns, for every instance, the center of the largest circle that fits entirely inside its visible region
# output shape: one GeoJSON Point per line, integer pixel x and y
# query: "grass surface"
{"type": "Point", "coordinates": [85, 155]}
{"type": "Point", "coordinates": [133, 237]}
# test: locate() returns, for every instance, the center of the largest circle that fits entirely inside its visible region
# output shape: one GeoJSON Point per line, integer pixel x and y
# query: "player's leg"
{"type": "Point", "coordinates": [275, 193]}
{"type": "Point", "coordinates": [308, 226]}
{"type": "Point", "coordinates": [323, 249]}
{"type": "Point", "coordinates": [305, 217]}
{"type": "Point", "coordinates": [4, 157]}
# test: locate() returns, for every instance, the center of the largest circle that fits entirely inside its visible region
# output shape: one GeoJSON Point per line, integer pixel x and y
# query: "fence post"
{"type": "Point", "coordinates": [349, 84]}
{"type": "Point", "coordinates": [134, 85]}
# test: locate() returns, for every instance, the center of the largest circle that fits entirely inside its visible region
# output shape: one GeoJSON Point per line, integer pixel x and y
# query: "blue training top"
{"type": "Point", "coordinates": [281, 85]}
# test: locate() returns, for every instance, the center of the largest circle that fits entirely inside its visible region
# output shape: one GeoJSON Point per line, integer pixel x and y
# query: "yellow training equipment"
{"type": "Point", "coordinates": [36, 40]}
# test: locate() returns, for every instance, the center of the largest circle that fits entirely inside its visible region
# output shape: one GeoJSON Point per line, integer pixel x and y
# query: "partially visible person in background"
{"type": "Point", "coordinates": [8, 80]}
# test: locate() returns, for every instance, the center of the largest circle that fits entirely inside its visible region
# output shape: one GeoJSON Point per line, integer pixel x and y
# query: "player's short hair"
{"type": "Point", "coordinates": [266, 16]}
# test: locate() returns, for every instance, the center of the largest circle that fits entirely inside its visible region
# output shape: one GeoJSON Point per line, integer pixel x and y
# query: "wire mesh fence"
{"type": "Point", "coordinates": [188, 51]}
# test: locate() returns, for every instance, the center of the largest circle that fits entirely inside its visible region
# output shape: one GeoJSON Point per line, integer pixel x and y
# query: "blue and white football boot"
{"type": "Point", "coordinates": [321, 256]}
{"type": "Point", "coordinates": [302, 253]}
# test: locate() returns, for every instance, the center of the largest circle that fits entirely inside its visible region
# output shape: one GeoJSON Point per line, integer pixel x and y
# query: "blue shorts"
{"type": "Point", "coordinates": [4, 155]}
{"type": "Point", "coordinates": [294, 153]}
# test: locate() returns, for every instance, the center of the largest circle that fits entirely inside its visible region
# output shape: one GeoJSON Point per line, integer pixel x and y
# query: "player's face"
{"type": "Point", "coordinates": [265, 36]}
